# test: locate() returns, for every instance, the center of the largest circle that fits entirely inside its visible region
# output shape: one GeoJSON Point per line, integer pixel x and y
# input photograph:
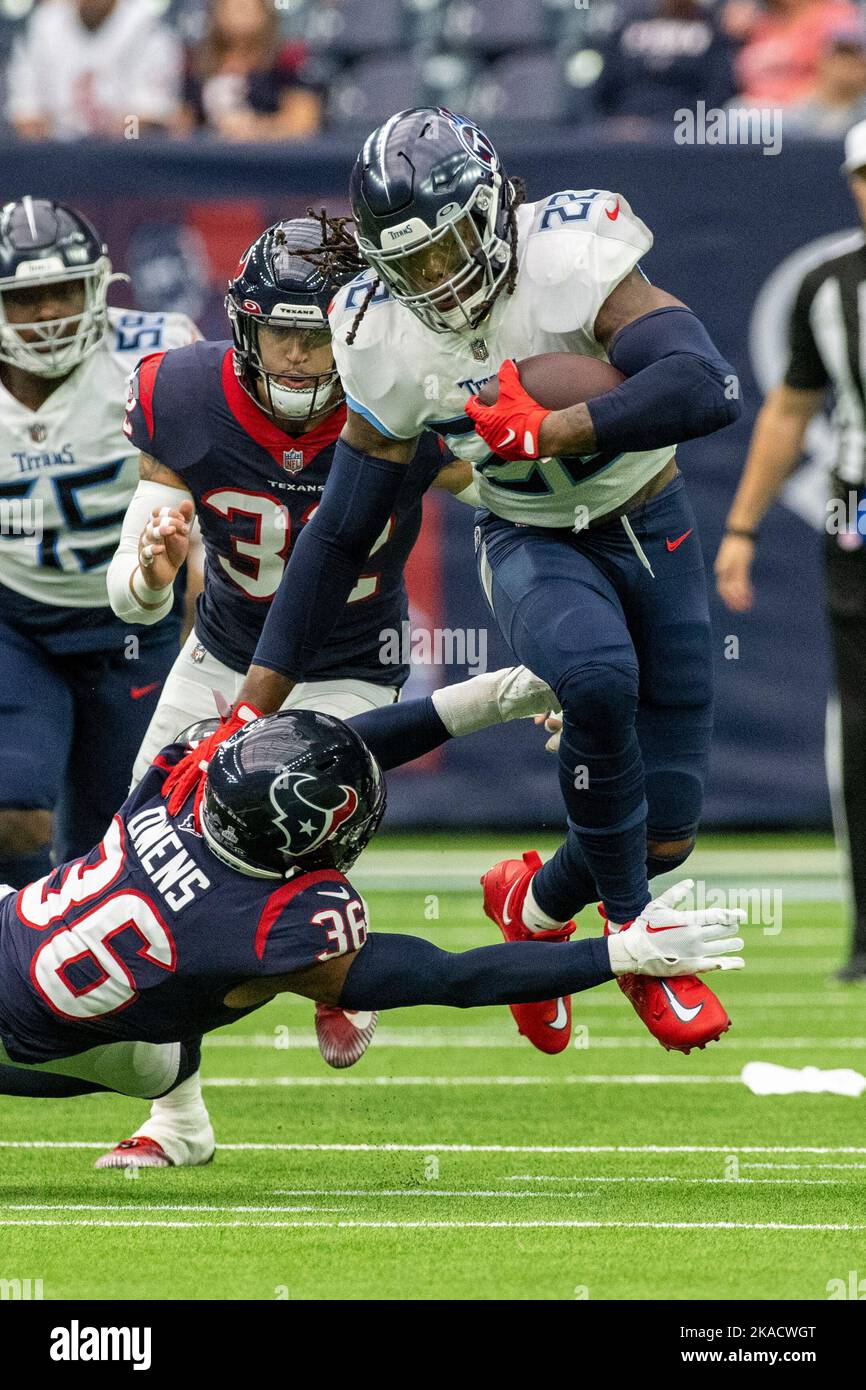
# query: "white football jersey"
{"type": "Point", "coordinates": [67, 471]}
{"type": "Point", "coordinates": [574, 248]}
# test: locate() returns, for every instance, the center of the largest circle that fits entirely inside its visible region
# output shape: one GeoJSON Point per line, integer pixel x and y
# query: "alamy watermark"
{"type": "Point", "coordinates": [438, 646]}
{"type": "Point", "coordinates": [729, 125]}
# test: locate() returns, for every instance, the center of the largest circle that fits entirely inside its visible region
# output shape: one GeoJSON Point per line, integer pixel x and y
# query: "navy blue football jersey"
{"type": "Point", "coordinates": [141, 939]}
{"type": "Point", "coordinates": [255, 488]}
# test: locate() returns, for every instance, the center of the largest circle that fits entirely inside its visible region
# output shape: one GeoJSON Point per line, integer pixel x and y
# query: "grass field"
{"type": "Point", "coordinates": [455, 1161]}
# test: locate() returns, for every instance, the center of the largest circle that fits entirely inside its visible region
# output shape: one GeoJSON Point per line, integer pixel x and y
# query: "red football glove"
{"type": "Point", "coordinates": [511, 426]}
{"type": "Point", "coordinates": [189, 774]}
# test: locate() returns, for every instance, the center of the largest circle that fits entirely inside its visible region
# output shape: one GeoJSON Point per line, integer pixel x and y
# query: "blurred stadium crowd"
{"type": "Point", "coordinates": [257, 70]}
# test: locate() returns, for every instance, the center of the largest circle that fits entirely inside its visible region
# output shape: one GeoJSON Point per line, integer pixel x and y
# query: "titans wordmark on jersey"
{"type": "Point", "coordinates": [149, 932]}
{"type": "Point", "coordinates": [67, 472]}
{"type": "Point", "coordinates": [574, 248]}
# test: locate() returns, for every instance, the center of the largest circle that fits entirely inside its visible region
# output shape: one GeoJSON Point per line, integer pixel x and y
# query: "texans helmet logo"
{"type": "Point", "coordinates": [305, 822]}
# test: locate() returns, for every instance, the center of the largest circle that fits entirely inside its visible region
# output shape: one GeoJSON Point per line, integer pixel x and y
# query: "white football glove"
{"type": "Point", "coordinates": [553, 724]}
{"type": "Point", "coordinates": [665, 941]}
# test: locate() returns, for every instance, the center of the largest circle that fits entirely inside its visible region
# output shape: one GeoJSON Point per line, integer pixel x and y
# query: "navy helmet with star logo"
{"type": "Point", "coordinates": [292, 792]}
{"type": "Point", "coordinates": [285, 282]}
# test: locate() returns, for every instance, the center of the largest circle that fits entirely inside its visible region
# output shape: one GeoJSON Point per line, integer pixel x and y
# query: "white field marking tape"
{"type": "Point", "coordinates": [385, 1082]}
{"type": "Point", "coordinates": [158, 1206]}
{"type": "Point", "coordinates": [806, 1166]}
{"type": "Point", "coordinates": [353, 1225]}
{"type": "Point", "coordinates": [435, 1147]}
{"type": "Point", "coordinates": [424, 1039]}
{"type": "Point", "coordinates": [307, 1192]}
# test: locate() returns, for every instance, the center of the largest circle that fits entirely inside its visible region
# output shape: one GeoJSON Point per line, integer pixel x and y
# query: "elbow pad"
{"type": "Point", "coordinates": [679, 386]}
{"type": "Point", "coordinates": [127, 594]}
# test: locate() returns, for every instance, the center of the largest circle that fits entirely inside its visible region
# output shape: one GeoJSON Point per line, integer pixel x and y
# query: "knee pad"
{"type": "Point", "coordinates": [599, 704]}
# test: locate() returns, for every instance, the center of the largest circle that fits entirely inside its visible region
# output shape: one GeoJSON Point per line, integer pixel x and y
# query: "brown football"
{"type": "Point", "coordinates": [559, 379]}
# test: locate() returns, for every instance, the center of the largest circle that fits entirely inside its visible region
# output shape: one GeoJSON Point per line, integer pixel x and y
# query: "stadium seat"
{"type": "Point", "coordinates": [524, 87]}
{"type": "Point", "coordinates": [493, 26]}
{"type": "Point", "coordinates": [372, 90]}
{"type": "Point", "coordinates": [349, 28]}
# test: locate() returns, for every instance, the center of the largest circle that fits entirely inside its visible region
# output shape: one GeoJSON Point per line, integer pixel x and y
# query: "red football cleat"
{"type": "Point", "coordinates": [344, 1034]}
{"type": "Point", "coordinates": [681, 1013]}
{"type": "Point", "coordinates": [135, 1153]}
{"type": "Point", "coordinates": [547, 1025]}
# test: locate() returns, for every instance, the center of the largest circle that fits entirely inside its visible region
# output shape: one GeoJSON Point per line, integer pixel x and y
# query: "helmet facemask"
{"type": "Point", "coordinates": [300, 405]}
{"type": "Point", "coordinates": [57, 346]}
{"type": "Point", "coordinates": [465, 261]}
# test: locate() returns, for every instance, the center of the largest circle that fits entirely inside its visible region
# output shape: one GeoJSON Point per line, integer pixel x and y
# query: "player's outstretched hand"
{"type": "Point", "coordinates": [164, 544]}
{"type": "Point", "coordinates": [511, 426]}
{"type": "Point", "coordinates": [666, 940]}
{"type": "Point", "coordinates": [733, 570]}
{"type": "Point", "coordinates": [553, 725]}
{"type": "Point", "coordinates": [189, 774]}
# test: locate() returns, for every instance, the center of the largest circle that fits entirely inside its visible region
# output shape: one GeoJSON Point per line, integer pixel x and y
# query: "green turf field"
{"type": "Point", "coordinates": [456, 1162]}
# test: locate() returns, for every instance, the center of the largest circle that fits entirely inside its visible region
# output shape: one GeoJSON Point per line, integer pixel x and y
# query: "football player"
{"type": "Point", "coordinates": [242, 432]}
{"type": "Point", "coordinates": [587, 544]}
{"type": "Point", "coordinates": [204, 909]}
{"type": "Point", "coordinates": [78, 688]}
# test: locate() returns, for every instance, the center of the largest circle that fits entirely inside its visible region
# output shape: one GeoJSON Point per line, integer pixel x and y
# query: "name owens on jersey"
{"type": "Point", "coordinates": [255, 487]}
{"type": "Point", "coordinates": [574, 248]}
{"type": "Point", "coordinates": [67, 472]}
{"type": "Point", "coordinates": [142, 939]}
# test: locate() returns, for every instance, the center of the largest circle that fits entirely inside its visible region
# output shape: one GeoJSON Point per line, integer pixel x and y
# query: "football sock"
{"type": "Point", "coordinates": [25, 868]}
{"type": "Point", "coordinates": [395, 734]}
{"type": "Point", "coordinates": [534, 917]}
{"type": "Point", "coordinates": [477, 703]}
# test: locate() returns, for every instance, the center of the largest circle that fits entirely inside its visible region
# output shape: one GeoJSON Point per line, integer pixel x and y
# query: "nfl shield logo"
{"type": "Point", "coordinates": [293, 460]}
{"type": "Point", "coordinates": [38, 433]}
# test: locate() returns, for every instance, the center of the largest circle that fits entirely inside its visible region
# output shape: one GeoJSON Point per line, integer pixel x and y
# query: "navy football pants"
{"type": "Point", "coordinates": [70, 727]}
{"type": "Point", "coordinates": [629, 658]}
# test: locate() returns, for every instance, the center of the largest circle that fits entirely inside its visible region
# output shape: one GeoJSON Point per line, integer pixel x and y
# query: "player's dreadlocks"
{"type": "Point", "coordinates": [337, 254]}
{"type": "Point", "coordinates": [518, 196]}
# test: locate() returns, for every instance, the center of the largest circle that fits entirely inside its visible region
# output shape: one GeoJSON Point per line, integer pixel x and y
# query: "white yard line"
{"type": "Point", "coordinates": [443, 1225]}
{"type": "Point", "coordinates": [730, 1182]}
{"type": "Point", "coordinates": [424, 1039]}
{"type": "Point", "coordinates": [436, 1147]}
{"type": "Point", "coordinates": [386, 1082]}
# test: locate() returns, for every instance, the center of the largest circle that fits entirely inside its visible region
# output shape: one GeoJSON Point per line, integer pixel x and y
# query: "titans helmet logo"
{"type": "Point", "coordinates": [304, 820]}
{"type": "Point", "coordinates": [475, 142]}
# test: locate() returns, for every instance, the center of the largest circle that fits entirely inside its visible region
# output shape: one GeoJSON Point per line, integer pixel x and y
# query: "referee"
{"type": "Point", "coordinates": [827, 350]}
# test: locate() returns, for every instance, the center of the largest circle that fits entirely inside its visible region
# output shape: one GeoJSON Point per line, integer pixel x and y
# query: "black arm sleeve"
{"type": "Point", "coordinates": [392, 972]}
{"type": "Point", "coordinates": [330, 553]}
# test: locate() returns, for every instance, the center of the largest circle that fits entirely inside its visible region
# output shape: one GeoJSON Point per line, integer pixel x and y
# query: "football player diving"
{"type": "Point", "coordinates": [77, 693]}
{"type": "Point", "coordinates": [242, 433]}
{"type": "Point", "coordinates": [213, 892]}
{"type": "Point", "coordinates": [587, 544]}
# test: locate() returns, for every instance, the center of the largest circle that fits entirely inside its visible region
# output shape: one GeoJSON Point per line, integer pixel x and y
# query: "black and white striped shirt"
{"type": "Point", "coordinates": [828, 348]}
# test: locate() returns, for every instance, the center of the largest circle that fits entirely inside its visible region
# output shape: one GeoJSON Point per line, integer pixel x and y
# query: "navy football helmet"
{"type": "Point", "coordinates": [431, 204]}
{"type": "Point", "coordinates": [48, 243]}
{"type": "Point", "coordinates": [292, 792]}
{"type": "Point", "coordinates": [286, 280]}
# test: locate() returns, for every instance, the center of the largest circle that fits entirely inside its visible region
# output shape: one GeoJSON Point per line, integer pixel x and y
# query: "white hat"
{"type": "Point", "coordinates": [855, 148]}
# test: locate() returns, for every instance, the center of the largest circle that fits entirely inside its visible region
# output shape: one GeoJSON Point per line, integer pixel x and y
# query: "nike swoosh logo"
{"type": "Point", "coordinates": [684, 1014]}
{"type": "Point", "coordinates": [507, 440]}
{"type": "Point", "coordinates": [613, 215]}
{"type": "Point", "coordinates": [337, 893]}
{"type": "Point", "coordinates": [506, 915]}
{"type": "Point", "coordinates": [561, 1019]}
{"type": "Point", "coordinates": [672, 545]}
{"type": "Point", "coordinates": [138, 691]}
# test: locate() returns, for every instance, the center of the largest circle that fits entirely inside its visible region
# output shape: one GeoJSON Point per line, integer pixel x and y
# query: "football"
{"type": "Point", "coordinates": [559, 379]}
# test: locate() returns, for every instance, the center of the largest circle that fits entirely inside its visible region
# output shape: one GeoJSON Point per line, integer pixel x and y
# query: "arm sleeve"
{"type": "Point", "coordinates": [394, 972]}
{"type": "Point", "coordinates": [327, 560]}
{"type": "Point", "coordinates": [806, 370]}
{"type": "Point", "coordinates": [129, 597]}
{"type": "Point", "coordinates": [679, 386]}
